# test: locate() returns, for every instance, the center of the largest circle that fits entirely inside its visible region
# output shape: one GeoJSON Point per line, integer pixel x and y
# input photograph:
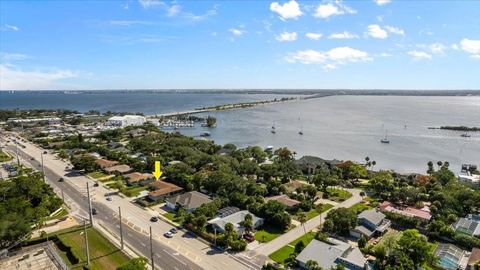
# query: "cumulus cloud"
{"type": "Point", "coordinates": [314, 36]}
{"type": "Point", "coordinates": [471, 46]}
{"type": "Point", "coordinates": [434, 48]}
{"type": "Point", "coordinates": [287, 36]}
{"type": "Point", "coordinates": [343, 35]}
{"type": "Point", "coordinates": [376, 31]}
{"type": "Point", "coordinates": [236, 32]}
{"type": "Point", "coordinates": [333, 8]}
{"type": "Point", "coordinates": [382, 2]}
{"type": "Point", "coordinates": [13, 78]}
{"type": "Point", "coordinates": [150, 3]}
{"type": "Point", "coordinates": [419, 55]}
{"type": "Point", "coordinates": [328, 59]}
{"type": "Point", "coordinates": [289, 10]}
{"type": "Point", "coordinates": [173, 10]}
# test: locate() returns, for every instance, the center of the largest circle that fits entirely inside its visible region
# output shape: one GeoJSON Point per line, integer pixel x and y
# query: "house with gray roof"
{"type": "Point", "coordinates": [331, 254]}
{"type": "Point", "coordinates": [188, 201]}
{"type": "Point", "coordinates": [468, 225]}
{"type": "Point", "coordinates": [371, 223]}
{"type": "Point", "coordinates": [236, 219]}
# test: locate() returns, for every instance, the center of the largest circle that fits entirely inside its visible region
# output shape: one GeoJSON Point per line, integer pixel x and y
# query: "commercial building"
{"type": "Point", "coordinates": [126, 120]}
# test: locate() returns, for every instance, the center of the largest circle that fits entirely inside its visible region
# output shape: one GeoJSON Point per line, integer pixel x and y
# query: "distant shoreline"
{"type": "Point", "coordinates": [311, 92]}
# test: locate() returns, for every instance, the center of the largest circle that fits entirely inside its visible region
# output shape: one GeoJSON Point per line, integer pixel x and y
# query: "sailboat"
{"type": "Point", "coordinates": [273, 128]}
{"type": "Point", "coordinates": [301, 129]}
{"type": "Point", "coordinates": [385, 140]}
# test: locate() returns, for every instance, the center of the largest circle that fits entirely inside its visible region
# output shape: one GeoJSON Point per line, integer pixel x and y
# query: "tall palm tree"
{"type": "Point", "coordinates": [302, 218]}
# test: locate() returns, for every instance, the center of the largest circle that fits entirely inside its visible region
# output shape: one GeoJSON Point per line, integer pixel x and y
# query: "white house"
{"type": "Point", "coordinates": [236, 219]}
{"type": "Point", "coordinates": [126, 120]}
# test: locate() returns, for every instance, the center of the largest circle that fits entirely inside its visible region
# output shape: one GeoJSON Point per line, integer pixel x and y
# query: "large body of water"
{"type": "Point", "coordinates": [341, 127]}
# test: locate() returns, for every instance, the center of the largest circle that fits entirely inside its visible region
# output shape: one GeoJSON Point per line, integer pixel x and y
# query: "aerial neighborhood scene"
{"type": "Point", "coordinates": [274, 135]}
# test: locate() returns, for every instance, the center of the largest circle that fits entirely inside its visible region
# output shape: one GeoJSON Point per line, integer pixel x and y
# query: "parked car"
{"type": "Point", "coordinates": [168, 234]}
{"type": "Point", "coordinates": [249, 237]}
{"type": "Point", "coordinates": [173, 230]}
{"type": "Point", "coordinates": [94, 211]}
{"type": "Point", "coordinates": [45, 152]}
{"type": "Point", "coordinates": [96, 184]}
{"type": "Point", "coordinates": [109, 198]}
{"type": "Point", "coordinates": [154, 219]}
{"type": "Point", "coordinates": [32, 158]}
{"type": "Point", "coordinates": [61, 179]}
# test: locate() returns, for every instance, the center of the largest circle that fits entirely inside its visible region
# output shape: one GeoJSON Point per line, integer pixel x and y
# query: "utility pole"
{"type": "Point", "coordinates": [121, 228]}
{"type": "Point", "coordinates": [151, 249]}
{"type": "Point", "coordinates": [89, 206]}
{"type": "Point", "coordinates": [86, 241]}
{"type": "Point", "coordinates": [43, 168]}
{"type": "Point", "coordinates": [16, 151]}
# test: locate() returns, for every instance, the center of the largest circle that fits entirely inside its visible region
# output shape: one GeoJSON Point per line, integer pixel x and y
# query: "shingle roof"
{"type": "Point", "coordinates": [119, 168]}
{"type": "Point", "coordinates": [285, 200]}
{"type": "Point", "coordinates": [189, 200]}
{"type": "Point", "coordinates": [163, 188]}
{"type": "Point", "coordinates": [364, 230]}
{"type": "Point", "coordinates": [474, 256]}
{"type": "Point", "coordinates": [372, 215]}
{"type": "Point", "coordinates": [105, 163]}
{"type": "Point", "coordinates": [235, 219]}
{"type": "Point", "coordinates": [136, 177]}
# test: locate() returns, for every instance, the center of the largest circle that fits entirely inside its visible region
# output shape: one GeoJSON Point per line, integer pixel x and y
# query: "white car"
{"type": "Point", "coordinates": [168, 234]}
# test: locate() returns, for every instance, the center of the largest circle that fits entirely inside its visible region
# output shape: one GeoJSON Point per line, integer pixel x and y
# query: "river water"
{"type": "Point", "coordinates": [341, 127]}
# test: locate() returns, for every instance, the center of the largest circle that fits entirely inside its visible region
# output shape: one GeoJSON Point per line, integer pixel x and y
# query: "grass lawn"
{"type": "Point", "coordinates": [267, 234]}
{"type": "Point", "coordinates": [103, 254]}
{"type": "Point", "coordinates": [4, 157]}
{"type": "Point", "coordinates": [320, 208]}
{"type": "Point", "coordinates": [60, 213]}
{"type": "Point", "coordinates": [133, 191]}
{"type": "Point", "coordinates": [97, 175]}
{"type": "Point", "coordinates": [360, 207]}
{"type": "Point", "coordinates": [171, 216]}
{"type": "Point", "coordinates": [283, 253]}
{"type": "Point", "coordinates": [338, 195]}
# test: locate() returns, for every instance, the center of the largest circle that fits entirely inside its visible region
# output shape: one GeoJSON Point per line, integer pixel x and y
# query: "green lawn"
{"type": "Point", "coordinates": [5, 157]}
{"type": "Point", "coordinates": [97, 175]}
{"type": "Point", "coordinates": [360, 207]}
{"type": "Point", "coordinates": [320, 208]}
{"type": "Point", "coordinates": [268, 233]}
{"type": "Point", "coordinates": [103, 254]}
{"type": "Point", "coordinates": [171, 216]}
{"type": "Point", "coordinates": [60, 213]}
{"type": "Point", "coordinates": [133, 191]}
{"type": "Point", "coordinates": [338, 195]}
{"type": "Point", "coordinates": [282, 254]}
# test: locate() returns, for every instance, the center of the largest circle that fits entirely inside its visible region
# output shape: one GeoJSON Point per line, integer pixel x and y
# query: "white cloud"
{"type": "Point", "coordinates": [197, 18]}
{"type": "Point", "coordinates": [314, 36]}
{"type": "Point", "coordinates": [437, 48]}
{"type": "Point", "coordinates": [471, 46]}
{"type": "Point", "coordinates": [329, 59]}
{"type": "Point", "coordinates": [343, 35]}
{"type": "Point", "coordinates": [333, 8]}
{"type": "Point", "coordinates": [12, 56]}
{"type": "Point", "coordinates": [287, 36]}
{"type": "Point", "coordinates": [289, 10]}
{"type": "Point", "coordinates": [150, 3]}
{"type": "Point", "coordinates": [382, 2]}
{"type": "Point", "coordinates": [8, 27]}
{"type": "Point", "coordinates": [173, 10]}
{"type": "Point", "coordinates": [13, 78]}
{"type": "Point", "coordinates": [455, 47]}
{"type": "Point", "coordinates": [395, 30]}
{"type": "Point", "coordinates": [418, 55]}
{"type": "Point", "coordinates": [475, 56]}
{"type": "Point", "coordinates": [375, 31]}
{"type": "Point", "coordinates": [236, 32]}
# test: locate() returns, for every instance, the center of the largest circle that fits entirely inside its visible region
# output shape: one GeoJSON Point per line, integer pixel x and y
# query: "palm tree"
{"type": "Point", "coordinates": [373, 164]}
{"type": "Point", "coordinates": [439, 164]}
{"type": "Point", "coordinates": [248, 223]}
{"type": "Point", "coordinates": [302, 218]}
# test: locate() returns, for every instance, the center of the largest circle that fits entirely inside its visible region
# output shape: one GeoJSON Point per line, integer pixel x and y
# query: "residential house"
{"type": "Point", "coordinates": [236, 219]}
{"type": "Point", "coordinates": [422, 213]}
{"type": "Point", "coordinates": [371, 223]}
{"type": "Point", "coordinates": [468, 225]}
{"type": "Point", "coordinates": [285, 200]}
{"type": "Point", "coordinates": [138, 179]}
{"type": "Point", "coordinates": [161, 190]}
{"type": "Point", "coordinates": [136, 132]}
{"type": "Point", "coordinates": [474, 259]}
{"type": "Point", "coordinates": [105, 163]}
{"type": "Point", "coordinates": [309, 164]}
{"type": "Point", "coordinates": [451, 257]}
{"type": "Point", "coordinates": [331, 254]}
{"type": "Point", "coordinates": [188, 201]}
{"type": "Point", "coordinates": [293, 185]}
{"type": "Point", "coordinates": [120, 169]}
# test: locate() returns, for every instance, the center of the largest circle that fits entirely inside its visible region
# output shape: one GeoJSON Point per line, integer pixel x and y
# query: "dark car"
{"type": "Point", "coordinates": [96, 184]}
{"type": "Point", "coordinates": [32, 158]}
{"type": "Point", "coordinates": [173, 230]}
{"type": "Point", "coordinates": [94, 211]}
{"type": "Point", "coordinates": [154, 219]}
{"type": "Point", "coordinates": [45, 152]}
{"type": "Point", "coordinates": [61, 179]}
{"type": "Point", "coordinates": [249, 237]}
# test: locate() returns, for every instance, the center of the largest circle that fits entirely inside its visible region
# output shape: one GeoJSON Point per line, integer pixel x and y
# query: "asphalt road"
{"type": "Point", "coordinates": [164, 256]}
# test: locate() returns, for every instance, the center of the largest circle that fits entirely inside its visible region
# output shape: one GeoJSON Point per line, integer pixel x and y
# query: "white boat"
{"type": "Point", "coordinates": [205, 134]}
{"type": "Point", "coordinates": [385, 140]}
{"type": "Point", "coordinates": [269, 148]}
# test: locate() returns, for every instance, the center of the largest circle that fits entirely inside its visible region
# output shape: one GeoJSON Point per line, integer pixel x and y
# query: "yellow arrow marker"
{"type": "Point", "coordinates": [158, 172]}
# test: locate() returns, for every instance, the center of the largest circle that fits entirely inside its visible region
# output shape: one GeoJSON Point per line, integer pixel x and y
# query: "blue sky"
{"type": "Point", "coordinates": [152, 44]}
